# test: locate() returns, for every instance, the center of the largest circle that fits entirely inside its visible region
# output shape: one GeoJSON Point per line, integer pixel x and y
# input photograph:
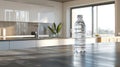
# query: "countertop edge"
{"type": "Point", "coordinates": [25, 39]}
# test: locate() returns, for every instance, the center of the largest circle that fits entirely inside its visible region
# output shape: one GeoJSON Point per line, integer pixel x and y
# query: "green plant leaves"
{"type": "Point", "coordinates": [55, 29]}
{"type": "Point", "coordinates": [59, 28]}
{"type": "Point", "coordinates": [54, 26]}
{"type": "Point", "coordinates": [52, 30]}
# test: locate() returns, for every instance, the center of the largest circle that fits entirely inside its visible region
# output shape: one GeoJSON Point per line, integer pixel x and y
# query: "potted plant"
{"type": "Point", "coordinates": [55, 29]}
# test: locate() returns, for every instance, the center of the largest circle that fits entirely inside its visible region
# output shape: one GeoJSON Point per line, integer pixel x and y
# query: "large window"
{"type": "Point", "coordinates": [99, 19]}
{"type": "Point", "coordinates": [86, 12]}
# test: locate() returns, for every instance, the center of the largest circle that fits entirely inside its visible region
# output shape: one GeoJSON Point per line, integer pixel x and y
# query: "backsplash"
{"type": "Point", "coordinates": [23, 28]}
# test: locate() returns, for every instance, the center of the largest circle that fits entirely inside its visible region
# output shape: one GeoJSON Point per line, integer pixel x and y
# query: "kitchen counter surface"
{"type": "Point", "coordinates": [30, 38]}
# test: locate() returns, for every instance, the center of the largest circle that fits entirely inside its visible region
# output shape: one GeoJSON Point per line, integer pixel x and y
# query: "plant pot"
{"type": "Point", "coordinates": [55, 35]}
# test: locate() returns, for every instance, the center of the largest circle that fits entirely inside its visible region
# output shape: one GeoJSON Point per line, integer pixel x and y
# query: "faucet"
{"type": "Point", "coordinates": [36, 35]}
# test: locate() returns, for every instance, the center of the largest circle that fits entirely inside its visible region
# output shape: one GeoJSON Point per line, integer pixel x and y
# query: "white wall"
{"type": "Point", "coordinates": [66, 11]}
{"type": "Point", "coordinates": [48, 11]}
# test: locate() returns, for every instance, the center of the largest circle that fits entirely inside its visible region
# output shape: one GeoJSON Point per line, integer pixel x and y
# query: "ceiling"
{"type": "Point", "coordinates": [37, 1]}
{"type": "Point", "coordinates": [62, 0]}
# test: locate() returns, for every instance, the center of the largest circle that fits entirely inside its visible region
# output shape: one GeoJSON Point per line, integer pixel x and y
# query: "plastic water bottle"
{"type": "Point", "coordinates": [79, 34]}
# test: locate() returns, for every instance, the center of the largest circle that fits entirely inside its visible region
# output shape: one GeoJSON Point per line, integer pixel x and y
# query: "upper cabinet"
{"type": "Point", "coordinates": [29, 13]}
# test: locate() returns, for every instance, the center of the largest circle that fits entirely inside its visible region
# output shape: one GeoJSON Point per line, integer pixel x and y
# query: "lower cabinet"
{"type": "Point", "coordinates": [4, 45]}
{"type": "Point", "coordinates": [25, 44]}
{"type": "Point", "coordinates": [22, 44]}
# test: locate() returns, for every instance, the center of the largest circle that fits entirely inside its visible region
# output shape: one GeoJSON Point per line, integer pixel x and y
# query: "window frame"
{"type": "Point", "coordinates": [90, 5]}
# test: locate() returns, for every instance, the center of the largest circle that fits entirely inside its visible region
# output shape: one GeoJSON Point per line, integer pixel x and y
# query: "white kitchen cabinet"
{"type": "Point", "coordinates": [22, 44]}
{"type": "Point", "coordinates": [4, 45]}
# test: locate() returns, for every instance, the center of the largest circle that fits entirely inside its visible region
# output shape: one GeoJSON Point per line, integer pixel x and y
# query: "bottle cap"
{"type": "Point", "coordinates": [79, 16]}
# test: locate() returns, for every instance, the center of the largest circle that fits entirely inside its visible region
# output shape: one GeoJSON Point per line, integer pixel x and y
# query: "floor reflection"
{"type": "Point", "coordinates": [96, 55]}
{"type": "Point", "coordinates": [79, 46]}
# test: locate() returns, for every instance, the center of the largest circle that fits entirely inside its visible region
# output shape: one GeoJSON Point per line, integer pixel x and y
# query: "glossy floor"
{"type": "Point", "coordinates": [96, 55]}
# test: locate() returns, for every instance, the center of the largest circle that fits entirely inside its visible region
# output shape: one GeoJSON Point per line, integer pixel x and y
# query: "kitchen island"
{"type": "Point", "coordinates": [30, 42]}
